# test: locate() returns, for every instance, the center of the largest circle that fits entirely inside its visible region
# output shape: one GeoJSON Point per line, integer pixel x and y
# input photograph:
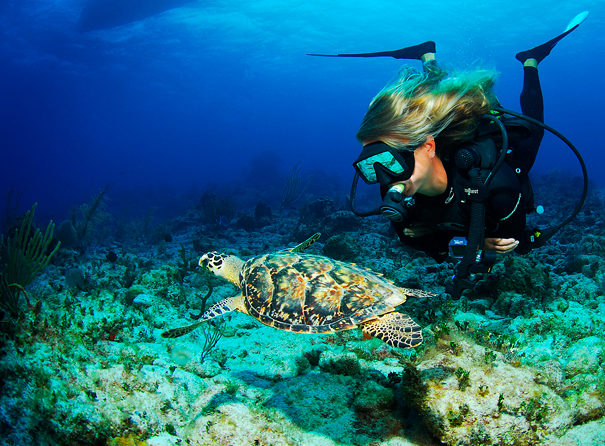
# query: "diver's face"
{"type": "Point", "coordinates": [423, 167]}
{"type": "Point", "coordinates": [426, 168]}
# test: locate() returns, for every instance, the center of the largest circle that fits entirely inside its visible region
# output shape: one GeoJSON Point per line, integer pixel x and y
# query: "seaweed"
{"type": "Point", "coordinates": [22, 257]}
{"type": "Point", "coordinates": [208, 277]}
{"type": "Point", "coordinates": [184, 266]}
{"type": "Point", "coordinates": [535, 410]}
{"type": "Point", "coordinates": [457, 417]}
{"type": "Point", "coordinates": [294, 189]}
{"type": "Point", "coordinates": [213, 332]}
{"type": "Point", "coordinates": [84, 217]}
{"type": "Point", "coordinates": [500, 403]}
{"type": "Point", "coordinates": [412, 388]}
{"type": "Point", "coordinates": [463, 378]}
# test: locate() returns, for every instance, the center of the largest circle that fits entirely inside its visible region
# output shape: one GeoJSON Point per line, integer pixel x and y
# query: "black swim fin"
{"type": "Point", "coordinates": [541, 51]}
{"type": "Point", "coordinates": [410, 52]}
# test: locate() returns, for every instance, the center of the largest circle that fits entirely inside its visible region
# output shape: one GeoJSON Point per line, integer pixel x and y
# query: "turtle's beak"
{"type": "Point", "coordinates": [204, 261]}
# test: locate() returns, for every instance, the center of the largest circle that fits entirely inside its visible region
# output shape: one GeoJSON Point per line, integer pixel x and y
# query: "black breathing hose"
{"type": "Point", "coordinates": [573, 149]}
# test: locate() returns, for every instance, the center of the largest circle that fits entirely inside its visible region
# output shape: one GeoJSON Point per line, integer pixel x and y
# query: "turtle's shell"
{"type": "Point", "coordinates": [314, 294]}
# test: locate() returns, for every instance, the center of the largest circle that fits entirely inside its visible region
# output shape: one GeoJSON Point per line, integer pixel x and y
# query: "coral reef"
{"type": "Point", "coordinates": [517, 361]}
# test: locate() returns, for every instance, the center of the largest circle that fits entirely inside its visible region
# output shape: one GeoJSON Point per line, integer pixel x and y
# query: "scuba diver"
{"type": "Point", "coordinates": [453, 165]}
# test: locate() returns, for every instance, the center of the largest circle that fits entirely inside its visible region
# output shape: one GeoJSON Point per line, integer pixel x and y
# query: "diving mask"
{"type": "Point", "coordinates": [381, 163]}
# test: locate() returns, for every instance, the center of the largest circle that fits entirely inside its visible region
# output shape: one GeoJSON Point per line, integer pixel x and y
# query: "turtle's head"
{"type": "Point", "coordinates": [223, 265]}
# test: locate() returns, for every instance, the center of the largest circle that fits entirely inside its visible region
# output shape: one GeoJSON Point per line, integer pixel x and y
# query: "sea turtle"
{"type": "Point", "coordinates": [307, 293]}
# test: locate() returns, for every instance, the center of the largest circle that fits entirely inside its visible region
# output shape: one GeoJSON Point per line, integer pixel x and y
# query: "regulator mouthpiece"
{"type": "Point", "coordinates": [395, 205]}
{"type": "Point", "coordinates": [395, 193]}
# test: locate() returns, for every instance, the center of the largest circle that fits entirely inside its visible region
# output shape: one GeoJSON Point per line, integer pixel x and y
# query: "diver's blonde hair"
{"type": "Point", "coordinates": [417, 105]}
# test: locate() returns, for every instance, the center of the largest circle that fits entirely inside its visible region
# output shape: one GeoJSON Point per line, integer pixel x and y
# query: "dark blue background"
{"type": "Point", "coordinates": [220, 94]}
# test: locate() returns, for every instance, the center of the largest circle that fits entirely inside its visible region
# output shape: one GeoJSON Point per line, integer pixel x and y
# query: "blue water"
{"type": "Point", "coordinates": [165, 101]}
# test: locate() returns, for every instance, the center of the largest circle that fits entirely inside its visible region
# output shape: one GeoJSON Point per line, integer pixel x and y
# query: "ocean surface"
{"type": "Point", "coordinates": [150, 132]}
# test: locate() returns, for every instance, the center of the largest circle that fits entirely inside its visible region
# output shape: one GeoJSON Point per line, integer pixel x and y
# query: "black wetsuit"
{"type": "Point", "coordinates": [510, 197]}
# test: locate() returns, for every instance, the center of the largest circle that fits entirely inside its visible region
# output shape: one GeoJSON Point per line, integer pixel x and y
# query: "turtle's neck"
{"type": "Point", "coordinates": [231, 268]}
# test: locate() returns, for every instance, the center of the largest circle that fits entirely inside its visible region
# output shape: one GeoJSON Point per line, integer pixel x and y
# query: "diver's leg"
{"type": "Point", "coordinates": [532, 105]}
{"type": "Point", "coordinates": [532, 101]}
{"type": "Point", "coordinates": [429, 62]}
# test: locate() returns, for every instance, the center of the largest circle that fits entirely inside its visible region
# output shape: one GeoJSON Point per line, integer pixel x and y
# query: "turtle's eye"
{"type": "Point", "coordinates": [205, 260]}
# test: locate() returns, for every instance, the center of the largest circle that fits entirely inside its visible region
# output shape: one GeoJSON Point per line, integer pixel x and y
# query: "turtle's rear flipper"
{"type": "Point", "coordinates": [396, 329]}
{"type": "Point", "coordinates": [218, 309]}
{"type": "Point", "coordinates": [412, 292]}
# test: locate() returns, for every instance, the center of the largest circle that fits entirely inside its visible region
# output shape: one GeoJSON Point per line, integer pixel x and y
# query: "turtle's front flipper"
{"type": "Point", "coordinates": [181, 331]}
{"type": "Point", "coordinates": [304, 245]}
{"type": "Point", "coordinates": [218, 309]}
{"type": "Point", "coordinates": [396, 329]}
{"type": "Point", "coordinates": [224, 306]}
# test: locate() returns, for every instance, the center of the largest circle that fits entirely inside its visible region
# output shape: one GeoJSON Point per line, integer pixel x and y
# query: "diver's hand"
{"type": "Point", "coordinates": [500, 245]}
{"type": "Point", "coordinates": [417, 230]}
